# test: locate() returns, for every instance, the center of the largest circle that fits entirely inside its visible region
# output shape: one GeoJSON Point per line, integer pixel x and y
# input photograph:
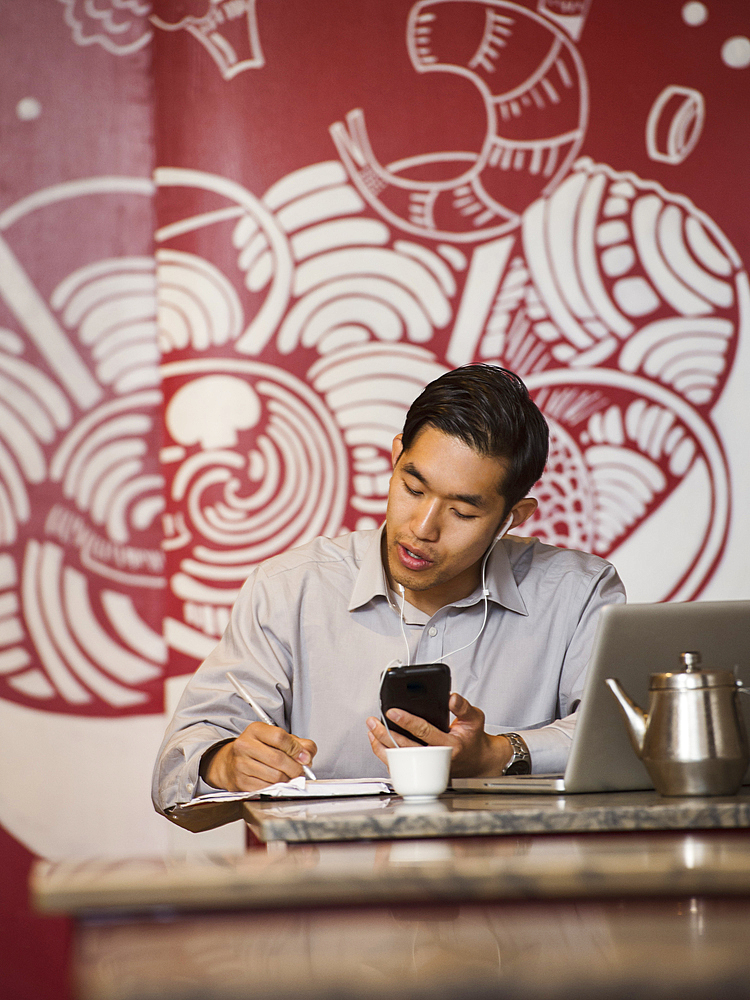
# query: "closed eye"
{"type": "Point", "coordinates": [464, 517]}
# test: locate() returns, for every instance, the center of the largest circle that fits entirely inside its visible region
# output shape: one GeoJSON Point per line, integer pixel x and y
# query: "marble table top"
{"type": "Point", "coordinates": [458, 814]}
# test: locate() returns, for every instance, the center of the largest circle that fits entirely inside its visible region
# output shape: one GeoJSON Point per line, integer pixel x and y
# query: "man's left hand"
{"type": "Point", "coordinates": [476, 754]}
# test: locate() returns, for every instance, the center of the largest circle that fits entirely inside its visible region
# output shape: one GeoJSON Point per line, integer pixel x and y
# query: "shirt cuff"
{"type": "Point", "coordinates": [176, 776]}
{"type": "Point", "coordinates": [549, 746]}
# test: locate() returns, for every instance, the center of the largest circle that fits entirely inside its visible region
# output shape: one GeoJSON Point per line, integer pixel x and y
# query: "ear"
{"type": "Point", "coordinates": [523, 511]}
{"type": "Point", "coordinates": [396, 449]}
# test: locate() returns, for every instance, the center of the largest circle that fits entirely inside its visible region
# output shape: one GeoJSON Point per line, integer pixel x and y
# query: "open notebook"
{"type": "Point", "coordinates": [632, 642]}
{"type": "Point", "coordinates": [218, 807]}
{"type": "Point", "coordinates": [299, 788]}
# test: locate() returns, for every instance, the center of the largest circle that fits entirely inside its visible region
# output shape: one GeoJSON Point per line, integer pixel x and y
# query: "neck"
{"type": "Point", "coordinates": [432, 599]}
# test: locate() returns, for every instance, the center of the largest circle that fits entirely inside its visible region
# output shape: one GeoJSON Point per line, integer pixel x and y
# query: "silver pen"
{"type": "Point", "coordinates": [263, 716]}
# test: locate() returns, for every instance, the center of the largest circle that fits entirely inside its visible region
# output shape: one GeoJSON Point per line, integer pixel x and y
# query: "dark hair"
{"type": "Point", "coordinates": [489, 409]}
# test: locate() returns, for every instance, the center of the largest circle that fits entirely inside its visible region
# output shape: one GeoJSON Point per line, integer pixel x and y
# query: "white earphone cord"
{"type": "Point", "coordinates": [403, 629]}
{"type": "Point", "coordinates": [485, 594]}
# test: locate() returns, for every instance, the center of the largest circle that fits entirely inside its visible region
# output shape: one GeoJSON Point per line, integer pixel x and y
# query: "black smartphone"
{"type": "Point", "coordinates": [420, 688]}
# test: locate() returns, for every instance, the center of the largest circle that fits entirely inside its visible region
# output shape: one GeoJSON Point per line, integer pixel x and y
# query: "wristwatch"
{"type": "Point", "coordinates": [520, 762]}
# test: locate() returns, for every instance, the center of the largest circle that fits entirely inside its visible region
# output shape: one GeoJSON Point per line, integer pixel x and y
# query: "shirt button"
{"type": "Point", "coordinates": [190, 788]}
{"type": "Point", "coordinates": [433, 630]}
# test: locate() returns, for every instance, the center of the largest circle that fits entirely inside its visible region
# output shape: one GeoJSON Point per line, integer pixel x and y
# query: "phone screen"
{"type": "Point", "coordinates": [423, 689]}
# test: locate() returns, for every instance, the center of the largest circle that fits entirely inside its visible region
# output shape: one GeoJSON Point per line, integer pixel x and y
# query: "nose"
{"type": "Point", "coordinates": [425, 523]}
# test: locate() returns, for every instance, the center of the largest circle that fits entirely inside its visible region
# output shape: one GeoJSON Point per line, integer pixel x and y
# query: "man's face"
{"type": "Point", "coordinates": [444, 509]}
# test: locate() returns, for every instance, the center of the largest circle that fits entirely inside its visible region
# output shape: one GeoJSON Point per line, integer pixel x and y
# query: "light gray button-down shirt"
{"type": "Point", "coordinates": [313, 629]}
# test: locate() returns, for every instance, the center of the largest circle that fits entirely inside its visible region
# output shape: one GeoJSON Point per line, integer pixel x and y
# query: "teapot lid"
{"type": "Point", "coordinates": [692, 677]}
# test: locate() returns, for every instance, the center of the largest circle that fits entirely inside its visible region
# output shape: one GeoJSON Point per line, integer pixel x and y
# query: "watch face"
{"type": "Point", "coordinates": [519, 767]}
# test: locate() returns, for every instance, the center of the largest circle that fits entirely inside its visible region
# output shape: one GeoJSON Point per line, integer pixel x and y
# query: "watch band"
{"type": "Point", "coordinates": [520, 762]}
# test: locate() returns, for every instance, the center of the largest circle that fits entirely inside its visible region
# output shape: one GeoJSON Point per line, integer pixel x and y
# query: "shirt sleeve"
{"type": "Point", "coordinates": [254, 647]}
{"type": "Point", "coordinates": [549, 746]}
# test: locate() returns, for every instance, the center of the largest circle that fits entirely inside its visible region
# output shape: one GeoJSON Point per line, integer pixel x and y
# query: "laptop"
{"type": "Point", "coordinates": [632, 642]}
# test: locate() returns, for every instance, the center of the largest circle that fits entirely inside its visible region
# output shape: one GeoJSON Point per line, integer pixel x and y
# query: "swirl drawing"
{"type": "Point", "coordinates": [81, 497]}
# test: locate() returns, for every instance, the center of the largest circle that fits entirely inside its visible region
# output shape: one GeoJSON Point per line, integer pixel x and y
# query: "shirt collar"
{"type": "Point", "coordinates": [501, 581]}
{"type": "Point", "coordinates": [372, 582]}
{"type": "Point", "coordinates": [371, 579]}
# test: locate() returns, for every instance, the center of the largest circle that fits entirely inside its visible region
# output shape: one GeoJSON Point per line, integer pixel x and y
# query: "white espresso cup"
{"type": "Point", "coordinates": [419, 773]}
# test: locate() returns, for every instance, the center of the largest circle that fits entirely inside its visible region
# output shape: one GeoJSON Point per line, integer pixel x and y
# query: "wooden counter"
{"type": "Point", "coordinates": [666, 949]}
{"type": "Point", "coordinates": [483, 868]}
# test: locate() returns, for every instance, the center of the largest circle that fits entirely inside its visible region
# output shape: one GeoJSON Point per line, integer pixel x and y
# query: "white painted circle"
{"type": "Point", "coordinates": [735, 52]}
{"type": "Point", "coordinates": [695, 14]}
{"type": "Point", "coordinates": [28, 108]}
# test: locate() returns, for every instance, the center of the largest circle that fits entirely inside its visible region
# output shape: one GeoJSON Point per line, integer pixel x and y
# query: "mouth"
{"type": "Point", "coordinates": [412, 559]}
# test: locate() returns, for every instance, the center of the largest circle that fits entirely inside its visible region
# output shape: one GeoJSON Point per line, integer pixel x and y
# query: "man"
{"type": "Point", "coordinates": [313, 629]}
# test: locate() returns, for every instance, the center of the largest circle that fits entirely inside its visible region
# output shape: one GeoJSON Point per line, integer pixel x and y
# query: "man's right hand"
{"type": "Point", "coordinates": [260, 756]}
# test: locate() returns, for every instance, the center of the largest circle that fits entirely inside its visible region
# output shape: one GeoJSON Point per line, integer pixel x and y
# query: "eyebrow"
{"type": "Point", "coordinates": [472, 499]}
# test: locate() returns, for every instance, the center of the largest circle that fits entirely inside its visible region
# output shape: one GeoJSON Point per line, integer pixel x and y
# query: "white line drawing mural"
{"type": "Point", "coordinates": [544, 79]}
{"type": "Point", "coordinates": [287, 372]}
{"type": "Point", "coordinates": [269, 471]}
{"type": "Point", "coordinates": [257, 459]}
{"type": "Point", "coordinates": [227, 29]}
{"type": "Point", "coordinates": [625, 436]}
{"type": "Point", "coordinates": [75, 426]}
{"type": "Point", "coordinates": [119, 26]}
{"type": "Point", "coordinates": [735, 52]}
{"type": "Point", "coordinates": [620, 303]}
{"type": "Point", "coordinates": [623, 461]}
{"type": "Point", "coordinates": [617, 261]}
{"type": "Point", "coordinates": [674, 124]}
{"type": "Point", "coordinates": [569, 14]}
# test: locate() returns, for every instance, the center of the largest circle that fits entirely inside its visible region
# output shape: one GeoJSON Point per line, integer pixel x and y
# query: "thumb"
{"type": "Point", "coordinates": [308, 749]}
{"type": "Point", "coordinates": [465, 712]}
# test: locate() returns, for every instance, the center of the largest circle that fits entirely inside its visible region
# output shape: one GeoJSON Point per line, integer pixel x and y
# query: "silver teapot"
{"type": "Point", "coordinates": [693, 740]}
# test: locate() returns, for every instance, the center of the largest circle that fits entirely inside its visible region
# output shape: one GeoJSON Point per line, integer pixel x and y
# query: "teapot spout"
{"type": "Point", "coordinates": [636, 719]}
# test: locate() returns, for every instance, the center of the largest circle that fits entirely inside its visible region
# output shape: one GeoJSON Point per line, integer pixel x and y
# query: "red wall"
{"type": "Point", "coordinates": [565, 197]}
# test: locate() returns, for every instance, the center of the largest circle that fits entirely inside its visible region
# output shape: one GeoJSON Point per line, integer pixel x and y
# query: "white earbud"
{"type": "Point", "coordinates": [507, 524]}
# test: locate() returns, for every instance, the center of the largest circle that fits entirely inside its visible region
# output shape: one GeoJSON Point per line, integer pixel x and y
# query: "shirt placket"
{"type": "Point", "coordinates": [432, 641]}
